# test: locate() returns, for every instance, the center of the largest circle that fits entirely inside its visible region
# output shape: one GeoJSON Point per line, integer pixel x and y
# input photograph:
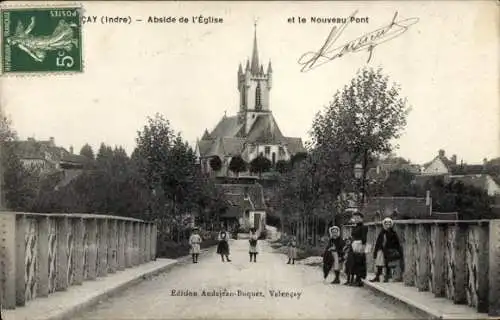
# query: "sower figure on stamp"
{"type": "Point", "coordinates": [335, 248]}
{"type": "Point", "coordinates": [223, 246]}
{"type": "Point", "coordinates": [359, 234]}
{"type": "Point", "coordinates": [195, 245]}
{"type": "Point", "coordinates": [387, 252]}
{"type": "Point", "coordinates": [253, 250]}
{"type": "Point", "coordinates": [292, 250]}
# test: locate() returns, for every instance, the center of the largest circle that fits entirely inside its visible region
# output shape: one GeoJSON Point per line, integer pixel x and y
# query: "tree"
{"type": "Point", "coordinates": [215, 163]}
{"type": "Point", "coordinates": [237, 165]}
{"type": "Point", "coordinates": [18, 185]}
{"type": "Point", "coordinates": [282, 166]}
{"type": "Point", "coordinates": [260, 164]}
{"type": "Point", "coordinates": [362, 119]}
{"type": "Point", "coordinates": [298, 157]}
{"type": "Point", "coordinates": [87, 152]}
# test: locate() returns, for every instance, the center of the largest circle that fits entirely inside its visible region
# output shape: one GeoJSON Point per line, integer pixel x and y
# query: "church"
{"type": "Point", "coordinates": [253, 131]}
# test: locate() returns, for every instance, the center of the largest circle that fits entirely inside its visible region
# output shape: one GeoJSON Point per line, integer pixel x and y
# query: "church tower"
{"type": "Point", "coordinates": [254, 86]}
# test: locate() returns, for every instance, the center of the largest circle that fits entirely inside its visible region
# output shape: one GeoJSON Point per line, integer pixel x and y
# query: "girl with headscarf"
{"type": "Point", "coordinates": [195, 243]}
{"type": "Point", "coordinates": [388, 251]}
{"type": "Point", "coordinates": [253, 251]}
{"type": "Point", "coordinates": [359, 234]}
{"type": "Point", "coordinates": [292, 250]}
{"type": "Point", "coordinates": [333, 257]}
{"type": "Point", "coordinates": [223, 246]}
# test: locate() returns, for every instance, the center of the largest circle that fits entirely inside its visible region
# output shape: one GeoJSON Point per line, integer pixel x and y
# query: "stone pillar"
{"type": "Point", "coordinates": [112, 245]}
{"type": "Point", "coordinates": [20, 256]}
{"type": "Point", "coordinates": [483, 266]}
{"type": "Point", "coordinates": [78, 250]}
{"type": "Point", "coordinates": [438, 280]}
{"type": "Point", "coordinates": [141, 242]}
{"type": "Point", "coordinates": [459, 258]}
{"type": "Point", "coordinates": [8, 260]}
{"type": "Point", "coordinates": [494, 268]}
{"type": "Point", "coordinates": [135, 260]}
{"type": "Point", "coordinates": [92, 248]}
{"type": "Point", "coordinates": [62, 224]}
{"type": "Point", "coordinates": [423, 264]}
{"type": "Point", "coordinates": [102, 256]}
{"type": "Point", "coordinates": [42, 274]}
{"type": "Point", "coordinates": [148, 242]}
{"type": "Point", "coordinates": [121, 244]}
{"type": "Point", "coordinates": [154, 239]}
{"type": "Point", "coordinates": [409, 255]}
{"type": "Point", "coordinates": [129, 244]}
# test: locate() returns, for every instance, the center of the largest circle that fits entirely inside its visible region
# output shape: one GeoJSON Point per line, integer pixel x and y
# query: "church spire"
{"type": "Point", "coordinates": [255, 54]}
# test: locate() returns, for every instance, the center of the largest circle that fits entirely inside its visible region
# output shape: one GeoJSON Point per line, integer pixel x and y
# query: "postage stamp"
{"type": "Point", "coordinates": [41, 39]}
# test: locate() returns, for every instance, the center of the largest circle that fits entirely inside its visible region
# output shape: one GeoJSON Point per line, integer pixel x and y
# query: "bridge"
{"type": "Point", "coordinates": [52, 261]}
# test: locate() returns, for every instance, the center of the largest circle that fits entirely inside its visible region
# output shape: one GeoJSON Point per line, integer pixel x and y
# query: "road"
{"type": "Point", "coordinates": [304, 294]}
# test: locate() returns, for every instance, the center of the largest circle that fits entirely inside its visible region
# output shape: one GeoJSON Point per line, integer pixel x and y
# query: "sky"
{"type": "Point", "coordinates": [446, 64]}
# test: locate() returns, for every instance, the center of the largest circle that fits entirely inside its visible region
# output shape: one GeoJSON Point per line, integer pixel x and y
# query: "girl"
{"type": "Point", "coordinates": [292, 250]}
{"type": "Point", "coordinates": [253, 245]}
{"type": "Point", "coordinates": [223, 246]}
{"type": "Point", "coordinates": [195, 242]}
{"type": "Point", "coordinates": [388, 251]}
{"type": "Point", "coordinates": [349, 261]}
{"type": "Point", "coordinates": [335, 247]}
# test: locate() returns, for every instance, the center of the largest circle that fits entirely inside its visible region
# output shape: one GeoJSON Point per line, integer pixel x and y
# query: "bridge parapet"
{"type": "Point", "coordinates": [44, 253]}
{"type": "Point", "coordinates": [458, 260]}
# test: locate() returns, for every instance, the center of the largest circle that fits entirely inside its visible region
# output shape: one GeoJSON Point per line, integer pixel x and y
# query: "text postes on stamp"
{"type": "Point", "coordinates": [37, 40]}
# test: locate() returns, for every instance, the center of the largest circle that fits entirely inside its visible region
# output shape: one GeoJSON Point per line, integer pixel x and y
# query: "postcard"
{"type": "Point", "coordinates": [249, 160]}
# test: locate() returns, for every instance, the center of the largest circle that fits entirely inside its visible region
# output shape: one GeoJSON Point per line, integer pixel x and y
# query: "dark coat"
{"type": "Point", "coordinates": [339, 244]}
{"type": "Point", "coordinates": [359, 232]}
{"type": "Point", "coordinates": [392, 244]}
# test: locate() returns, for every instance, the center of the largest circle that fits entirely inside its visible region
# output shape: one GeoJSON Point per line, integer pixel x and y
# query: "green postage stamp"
{"type": "Point", "coordinates": [43, 39]}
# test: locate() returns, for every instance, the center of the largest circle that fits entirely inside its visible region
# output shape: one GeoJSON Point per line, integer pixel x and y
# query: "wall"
{"type": "Point", "coordinates": [44, 253]}
{"type": "Point", "coordinates": [458, 260]}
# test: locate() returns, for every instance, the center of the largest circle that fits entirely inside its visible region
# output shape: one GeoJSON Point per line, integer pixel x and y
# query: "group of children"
{"type": "Point", "coordinates": [223, 245]}
{"type": "Point", "coordinates": [337, 253]}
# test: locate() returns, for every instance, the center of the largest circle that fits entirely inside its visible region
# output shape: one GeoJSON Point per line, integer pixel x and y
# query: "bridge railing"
{"type": "Point", "coordinates": [458, 260]}
{"type": "Point", "coordinates": [44, 253]}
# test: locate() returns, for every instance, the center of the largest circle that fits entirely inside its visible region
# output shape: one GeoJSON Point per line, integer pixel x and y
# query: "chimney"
{"type": "Point", "coordinates": [52, 142]}
{"type": "Point", "coordinates": [485, 161]}
{"type": "Point", "coordinates": [71, 149]}
{"type": "Point", "coordinates": [454, 159]}
{"type": "Point", "coordinates": [441, 153]}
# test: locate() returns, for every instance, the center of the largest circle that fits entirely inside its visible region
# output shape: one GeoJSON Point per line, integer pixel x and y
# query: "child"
{"type": "Point", "coordinates": [194, 243]}
{"type": "Point", "coordinates": [253, 250]}
{"type": "Point", "coordinates": [349, 261]}
{"type": "Point", "coordinates": [223, 246]}
{"type": "Point", "coordinates": [292, 250]}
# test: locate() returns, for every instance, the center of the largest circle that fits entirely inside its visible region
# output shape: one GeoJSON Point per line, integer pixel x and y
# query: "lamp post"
{"type": "Point", "coordinates": [358, 174]}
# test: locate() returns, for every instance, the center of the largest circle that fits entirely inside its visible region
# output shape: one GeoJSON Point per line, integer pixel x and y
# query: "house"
{"type": "Point", "coordinates": [481, 181]}
{"type": "Point", "coordinates": [383, 169]}
{"type": "Point", "coordinates": [440, 165]}
{"type": "Point", "coordinates": [253, 131]}
{"type": "Point", "coordinates": [45, 158]}
{"type": "Point", "coordinates": [246, 206]}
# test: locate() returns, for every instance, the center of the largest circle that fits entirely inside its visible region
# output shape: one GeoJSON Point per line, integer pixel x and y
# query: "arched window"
{"type": "Point", "coordinates": [258, 105]}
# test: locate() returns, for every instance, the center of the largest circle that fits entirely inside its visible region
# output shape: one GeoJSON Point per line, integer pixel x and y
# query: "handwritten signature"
{"type": "Point", "coordinates": [369, 41]}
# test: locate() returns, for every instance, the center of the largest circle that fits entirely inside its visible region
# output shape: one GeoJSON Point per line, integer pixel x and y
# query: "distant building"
{"type": "Point", "coordinates": [45, 158]}
{"type": "Point", "coordinates": [245, 206]}
{"type": "Point", "coordinates": [253, 131]}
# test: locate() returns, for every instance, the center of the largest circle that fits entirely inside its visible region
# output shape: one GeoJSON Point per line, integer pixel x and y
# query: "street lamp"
{"type": "Point", "coordinates": [358, 174]}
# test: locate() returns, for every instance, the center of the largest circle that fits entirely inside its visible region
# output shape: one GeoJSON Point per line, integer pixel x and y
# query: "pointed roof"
{"type": "Point", "coordinates": [269, 67]}
{"type": "Point", "coordinates": [206, 135]}
{"type": "Point", "coordinates": [240, 69]}
{"type": "Point", "coordinates": [255, 53]}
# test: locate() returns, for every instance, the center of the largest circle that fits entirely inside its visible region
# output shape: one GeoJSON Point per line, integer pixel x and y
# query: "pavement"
{"type": "Point", "coordinates": [425, 302]}
{"type": "Point", "coordinates": [267, 289]}
{"type": "Point", "coordinates": [211, 289]}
